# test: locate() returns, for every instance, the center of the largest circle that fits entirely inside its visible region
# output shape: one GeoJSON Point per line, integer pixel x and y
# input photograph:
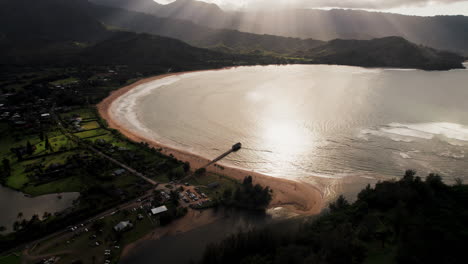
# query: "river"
{"type": "Point", "coordinates": [12, 203]}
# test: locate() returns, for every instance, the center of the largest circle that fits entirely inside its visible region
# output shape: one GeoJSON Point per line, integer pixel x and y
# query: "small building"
{"type": "Point", "coordinates": [158, 210]}
{"type": "Point", "coordinates": [122, 226]}
{"type": "Point", "coordinates": [119, 172]}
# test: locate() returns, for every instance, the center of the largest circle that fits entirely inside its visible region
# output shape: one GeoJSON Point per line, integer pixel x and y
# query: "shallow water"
{"type": "Point", "coordinates": [13, 202]}
{"type": "Point", "coordinates": [312, 122]}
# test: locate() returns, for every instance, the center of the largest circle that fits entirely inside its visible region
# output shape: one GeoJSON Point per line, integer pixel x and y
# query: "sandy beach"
{"type": "Point", "coordinates": [299, 197]}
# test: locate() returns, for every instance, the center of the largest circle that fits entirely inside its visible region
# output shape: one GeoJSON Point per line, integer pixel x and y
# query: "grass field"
{"type": "Point", "coordinates": [90, 125]}
{"type": "Point", "coordinates": [11, 259]}
{"type": "Point", "coordinates": [91, 133]}
{"type": "Point", "coordinates": [85, 113]}
{"type": "Point", "coordinates": [70, 184]}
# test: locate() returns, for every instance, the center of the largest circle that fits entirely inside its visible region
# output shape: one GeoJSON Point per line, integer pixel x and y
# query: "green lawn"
{"type": "Point", "coordinates": [85, 113]}
{"type": "Point", "coordinates": [109, 138]}
{"type": "Point", "coordinates": [91, 133]}
{"type": "Point", "coordinates": [90, 125]}
{"type": "Point", "coordinates": [11, 259]}
{"type": "Point", "coordinates": [18, 176]}
{"type": "Point", "coordinates": [70, 184]}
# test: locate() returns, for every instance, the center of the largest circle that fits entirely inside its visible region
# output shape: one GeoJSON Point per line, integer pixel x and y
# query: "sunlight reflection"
{"type": "Point", "coordinates": [286, 137]}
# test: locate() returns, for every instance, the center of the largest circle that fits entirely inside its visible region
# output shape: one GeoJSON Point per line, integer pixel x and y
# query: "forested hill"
{"type": "Point", "coordinates": [406, 221]}
{"type": "Point", "coordinates": [71, 32]}
{"type": "Point", "coordinates": [232, 41]}
{"type": "Point", "coordinates": [63, 33]}
{"type": "Point", "coordinates": [48, 20]}
{"type": "Point", "coordinates": [383, 52]}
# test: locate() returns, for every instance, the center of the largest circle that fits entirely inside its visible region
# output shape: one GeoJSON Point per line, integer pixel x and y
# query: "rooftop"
{"type": "Point", "coordinates": [159, 210]}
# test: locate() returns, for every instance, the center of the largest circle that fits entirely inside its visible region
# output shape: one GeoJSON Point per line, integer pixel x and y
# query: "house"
{"type": "Point", "coordinates": [158, 210]}
{"type": "Point", "coordinates": [122, 226]}
{"type": "Point", "coordinates": [45, 116]}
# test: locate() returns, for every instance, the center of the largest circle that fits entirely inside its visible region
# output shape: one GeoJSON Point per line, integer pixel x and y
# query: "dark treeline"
{"type": "Point", "coordinates": [248, 196]}
{"type": "Point", "coordinates": [406, 221]}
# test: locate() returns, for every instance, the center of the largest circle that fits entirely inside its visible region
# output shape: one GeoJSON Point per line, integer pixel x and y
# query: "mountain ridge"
{"type": "Point", "coordinates": [57, 46]}
{"type": "Point", "coordinates": [441, 32]}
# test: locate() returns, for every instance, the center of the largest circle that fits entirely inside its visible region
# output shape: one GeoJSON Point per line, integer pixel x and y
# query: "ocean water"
{"type": "Point", "coordinates": [338, 127]}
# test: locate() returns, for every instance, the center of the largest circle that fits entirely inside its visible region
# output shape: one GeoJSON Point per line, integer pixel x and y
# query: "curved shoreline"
{"type": "Point", "coordinates": [299, 197]}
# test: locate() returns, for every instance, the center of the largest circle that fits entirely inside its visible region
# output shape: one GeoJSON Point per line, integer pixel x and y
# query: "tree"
{"type": "Point", "coordinates": [29, 148]}
{"type": "Point", "coordinates": [177, 173]}
{"type": "Point", "coordinates": [6, 166]}
{"type": "Point", "coordinates": [247, 181]}
{"type": "Point", "coordinates": [435, 181]}
{"type": "Point", "coordinates": [174, 197]}
{"type": "Point", "coordinates": [45, 215]}
{"type": "Point", "coordinates": [186, 167]}
{"type": "Point", "coordinates": [227, 194]}
{"type": "Point", "coordinates": [20, 215]}
{"type": "Point", "coordinates": [409, 175]}
{"type": "Point", "coordinates": [200, 171]}
{"type": "Point", "coordinates": [41, 135]}
{"type": "Point", "coordinates": [19, 156]}
{"type": "Point", "coordinates": [2, 229]}
{"type": "Point", "coordinates": [340, 204]}
{"type": "Point", "coordinates": [47, 143]}
{"type": "Point", "coordinates": [16, 226]}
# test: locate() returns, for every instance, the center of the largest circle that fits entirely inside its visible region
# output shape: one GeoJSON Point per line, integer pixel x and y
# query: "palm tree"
{"type": "Point", "coordinates": [16, 226]}
{"type": "Point", "coordinates": [20, 215]}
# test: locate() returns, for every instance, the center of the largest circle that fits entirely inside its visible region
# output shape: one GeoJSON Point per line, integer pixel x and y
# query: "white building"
{"type": "Point", "coordinates": [158, 210]}
{"type": "Point", "coordinates": [123, 226]}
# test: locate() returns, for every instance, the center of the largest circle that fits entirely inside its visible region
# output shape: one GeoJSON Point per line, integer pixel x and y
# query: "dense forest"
{"type": "Point", "coordinates": [406, 221]}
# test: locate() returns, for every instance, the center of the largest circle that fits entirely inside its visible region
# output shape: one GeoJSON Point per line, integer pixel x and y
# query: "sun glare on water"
{"type": "Point", "coordinates": [286, 137]}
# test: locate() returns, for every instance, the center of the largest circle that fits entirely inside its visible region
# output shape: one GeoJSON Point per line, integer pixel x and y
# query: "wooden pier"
{"type": "Point", "coordinates": [234, 148]}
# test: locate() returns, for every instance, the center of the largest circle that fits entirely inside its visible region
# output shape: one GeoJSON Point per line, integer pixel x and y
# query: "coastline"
{"type": "Point", "coordinates": [298, 197]}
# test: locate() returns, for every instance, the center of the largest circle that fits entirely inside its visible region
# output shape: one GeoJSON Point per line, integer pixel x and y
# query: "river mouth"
{"type": "Point", "coordinates": [332, 126]}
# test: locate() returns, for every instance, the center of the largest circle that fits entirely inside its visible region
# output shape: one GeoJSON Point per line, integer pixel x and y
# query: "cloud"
{"type": "Point", "coordinates": [367, 4]}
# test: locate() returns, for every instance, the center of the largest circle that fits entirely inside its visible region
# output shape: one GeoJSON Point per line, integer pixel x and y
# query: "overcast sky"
{"type": "Point", "coordinates": [410, 7]}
